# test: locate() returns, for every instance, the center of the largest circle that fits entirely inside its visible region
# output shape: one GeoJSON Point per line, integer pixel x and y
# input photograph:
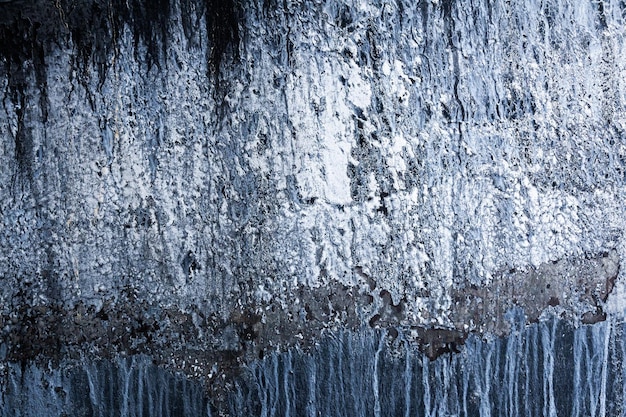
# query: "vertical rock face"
{"type": "Point", "coordinates": [108, 105]}
{"type": "Point", "coordinates": [219, 176]}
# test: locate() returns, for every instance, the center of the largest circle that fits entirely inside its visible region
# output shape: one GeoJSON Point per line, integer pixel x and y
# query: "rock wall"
{"type": "Point", "coordinates": [208, 179]}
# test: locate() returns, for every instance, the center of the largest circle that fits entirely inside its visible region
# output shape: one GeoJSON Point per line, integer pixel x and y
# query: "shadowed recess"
{"type": "Point", "coordinates": [30, 30]}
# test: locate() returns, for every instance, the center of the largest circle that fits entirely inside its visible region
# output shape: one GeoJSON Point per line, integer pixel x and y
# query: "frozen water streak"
{"type": "Point", "coordinates": [126, 387]}
{"type": "Point", "coordinates": [546, 369]}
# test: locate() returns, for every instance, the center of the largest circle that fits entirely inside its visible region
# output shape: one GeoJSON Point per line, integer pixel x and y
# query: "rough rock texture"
{"type": "Point", "coordinates": [221, 177]}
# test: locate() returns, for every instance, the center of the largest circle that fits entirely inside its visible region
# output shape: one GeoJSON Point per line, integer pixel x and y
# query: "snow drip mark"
{"type": "Point", "coordinates": [549, 369]}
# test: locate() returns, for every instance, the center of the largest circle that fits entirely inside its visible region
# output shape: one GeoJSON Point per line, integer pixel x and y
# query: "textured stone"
{"type": "Point", "coordinates": [248, 174]}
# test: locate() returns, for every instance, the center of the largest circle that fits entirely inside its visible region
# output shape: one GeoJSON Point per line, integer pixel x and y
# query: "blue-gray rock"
{"type": "Point", "coordinates": [177, 171]}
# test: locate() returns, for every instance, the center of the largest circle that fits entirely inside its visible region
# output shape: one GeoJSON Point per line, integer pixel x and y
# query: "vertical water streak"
{"type": "Point", "coordinates": [605, 363]}
{"type": "Point", "coordinates": [531, 360]}
{"type": "Point", "coordinates": [577, 353]}
{"type": "Point", "coordinates": [327, 396]}
{"type": "Point", "coordinates": [549, 368]}
{"type": "Point", "coordinates": [93, 388]}
{"type": "Point", "coordinates": [140, 387]}
{"type": "Point", "coordinates": [547, 341]}
{"type": "Point", "coordinates": [407, 381]}
{"type": "Point", "coordinates": [446, 388]}
{"type": "Point", "coordinates": [512, 370]}
{"type": "Point", "coordinates": [125, 387]}
{"type": "Point", "coordinates": [261, 383]}
{"type": "Point", "coordinates": [376, 382]}
{"type": "Point", "coordinates": [275, 395]}
{"type": "Point", "coordinates": [426, 381]}
{"type": "Point", "coordinates": [622, 344]}
{"type": "Point", "coordinates": [340, 366]}
{"type": "Point", "coordinates": [356, 398]}
{"type": "Point", "coordinates": [485, 388]}
{"type": "Point", "coordinates": [589, 373]}
{"type": "Point", "coordinates": [311, 406]}
{"type": "Point", "coordinates": [466, 379]}
{"type": "Point", "coordinates": [288, 384]}
{"type": "Point", "coordinates": [125, 374]}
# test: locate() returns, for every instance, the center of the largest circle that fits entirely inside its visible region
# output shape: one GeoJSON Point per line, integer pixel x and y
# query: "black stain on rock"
{"type": "Point", "coordinates": [435, 342]}
{"type": "Point", "coordinates": [371, 283]}
{"type": "Point", "coordinates": [344, 17]}
{"type": "Point", "coordinates": [28, 30]}
{"type": "Point", "coordinates": [143, 218]}
{"type": "Point", "coordinates": [222, 29]}
{"type": "Point", "coordinates": [593, 317]}
{"type": "Point", "coordinates": [374, 320]}
{"type": "Point", "coordinates": [246, 323]}
{"type": "Point", "coordinates": [190, 264]}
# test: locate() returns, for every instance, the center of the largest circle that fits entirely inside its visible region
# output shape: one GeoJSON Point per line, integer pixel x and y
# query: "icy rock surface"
{"type": "Point", "coordinates": [272, 168]}
{"type": "Point", "coordinates": [131, 387]}
{"type": "Point", "coordinates": [547, 369]}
